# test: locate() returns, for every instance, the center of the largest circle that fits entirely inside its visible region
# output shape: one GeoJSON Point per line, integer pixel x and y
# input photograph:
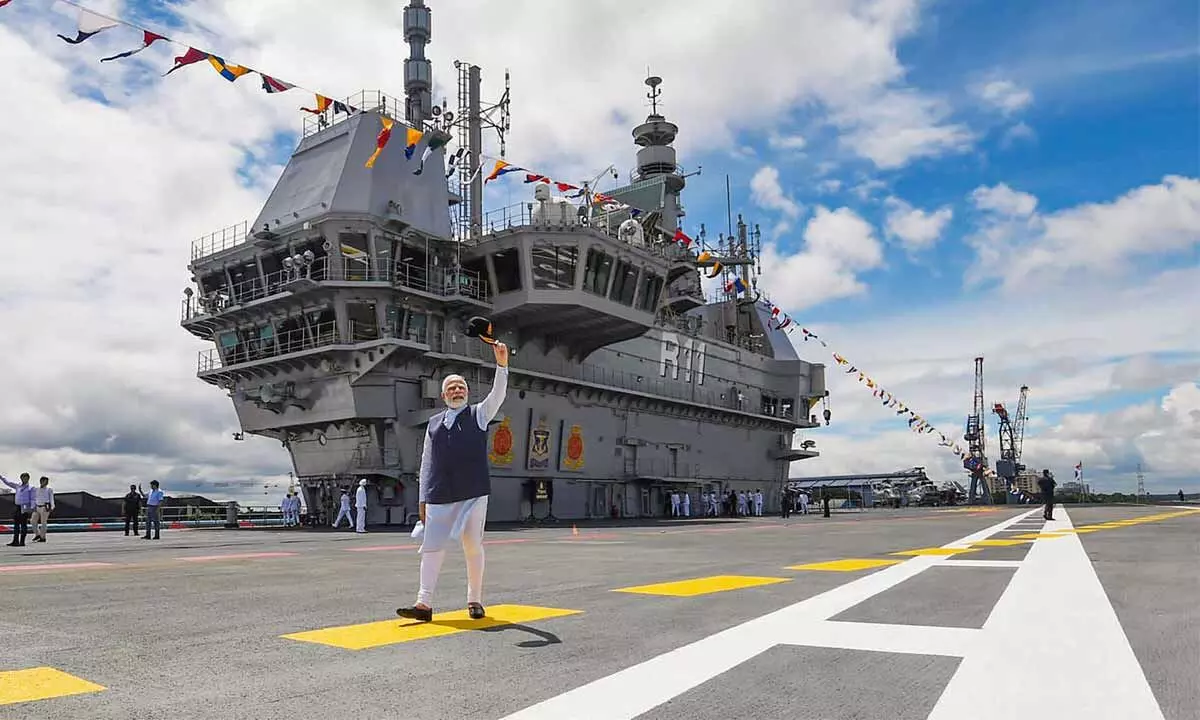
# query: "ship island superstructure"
{"type": "Point", "coordinates": [335, 314]}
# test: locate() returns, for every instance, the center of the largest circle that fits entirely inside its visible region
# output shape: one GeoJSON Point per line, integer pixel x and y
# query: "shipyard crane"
{"type": "Point", "coordinates": [975, 435]}
{"type": "Point", "coordinates": [1012, 436]}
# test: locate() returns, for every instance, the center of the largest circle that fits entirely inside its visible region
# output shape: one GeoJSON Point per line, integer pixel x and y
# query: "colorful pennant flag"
{"type": "Point", "coordinates": [501, 168]}
{"type": "Point", "coordinates": [90, 24]}
{"type": "Point", "coordinates": [412, 137]}
{"type": "Point", "coordinates": [148, 39]}
{"type": "Point", "coordinates": [438, 140]}
{"type": "Point", "coordinates": [381, 140]}
{"type": "Point", "coordinates": [270, 85]}
{"type": "Point", "coordinates": [188, 58]}
{"type": "Point", "coordinates": [226, 70]}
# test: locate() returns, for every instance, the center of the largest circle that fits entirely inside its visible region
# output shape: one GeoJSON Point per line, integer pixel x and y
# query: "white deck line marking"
{"type": "Point", "coordinates": [628, 693]}
{"type": "Point", "coordinates": [980, 563]}
{"type": "Point", "coordinates": [879, 637]}
{"type": "Point", "coordinates": [1054, 616]}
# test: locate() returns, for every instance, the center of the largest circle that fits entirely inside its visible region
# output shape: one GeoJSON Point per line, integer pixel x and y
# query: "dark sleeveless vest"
{"type": "Point", "coordinates": [459, 468]}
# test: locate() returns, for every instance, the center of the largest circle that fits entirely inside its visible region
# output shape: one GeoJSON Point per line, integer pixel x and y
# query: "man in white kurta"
{"type": "Point", "coordinates": [454, 486]}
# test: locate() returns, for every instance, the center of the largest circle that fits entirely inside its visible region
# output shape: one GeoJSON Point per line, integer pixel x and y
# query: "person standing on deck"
{"type": "Point", "coordinates": [455, 482]}
{"type": "Point", "coordinates": [360, 507]}
{"type": "Point", "coordinates": [758, 502]}
{"type": "Point", "coordinates": [43, 505]}
{"type": "Point", "coordinates": [24, 508]}
{"type": "Point", "coordinates": [131, 506]}
{"type": "Point", "coordinates": [153, 510]}
{"type": "Point", "coordinates": [344, 510]}
{"type": "Point", "coordinates": [1046, 485]}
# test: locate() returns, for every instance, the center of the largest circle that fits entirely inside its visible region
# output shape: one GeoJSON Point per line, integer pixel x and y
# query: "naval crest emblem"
{"type": "Point", "coordinates": [573, 458]}
{"type": "Point", "coordinates": [502, 444]}
{"type": "Point", "coordinates": [539, 445]}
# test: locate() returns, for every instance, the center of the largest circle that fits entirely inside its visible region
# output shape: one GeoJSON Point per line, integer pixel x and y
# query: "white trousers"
{"type": "Point", "coordinates": [441, 522]}
{"type": "Point", "coordinates": [344, 513]}
{"type": "Point", "coordinates": [360, 519]}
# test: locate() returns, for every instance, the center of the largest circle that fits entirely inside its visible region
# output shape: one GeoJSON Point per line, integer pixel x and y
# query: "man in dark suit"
{"type": "Point", "coordinates": [131, 506]}
{"type": "Point", "coordinates": [1046, 485]}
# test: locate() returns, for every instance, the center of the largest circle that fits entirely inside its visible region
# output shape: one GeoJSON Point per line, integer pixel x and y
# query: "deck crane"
{"type": "Point", "coordinates": [976, 460]}
{"type": "Point", "coordinates": [1012, 436]}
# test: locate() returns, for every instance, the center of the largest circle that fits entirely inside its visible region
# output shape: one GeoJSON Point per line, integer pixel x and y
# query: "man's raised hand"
{"type": "Point", "coordinates": [501, 351]}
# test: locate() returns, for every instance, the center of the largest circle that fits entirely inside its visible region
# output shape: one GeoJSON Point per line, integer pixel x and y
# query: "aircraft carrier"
{"type": "Point", "coordinates": [335, 313]}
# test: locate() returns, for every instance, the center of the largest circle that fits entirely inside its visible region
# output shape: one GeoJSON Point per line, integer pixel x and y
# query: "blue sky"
{"type": "Point", "coordinates": [1113, 109]}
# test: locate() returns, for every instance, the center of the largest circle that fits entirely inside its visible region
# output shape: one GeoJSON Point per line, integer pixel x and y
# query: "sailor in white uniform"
{"type": "Point", "coordinates": [455, 482]}
{"type": "Point", "coordinates": [344, 511]}
{"type": "Point", "coordinates": [360, 507]}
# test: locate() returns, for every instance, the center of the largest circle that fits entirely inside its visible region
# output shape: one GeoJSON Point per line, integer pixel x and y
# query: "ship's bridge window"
{"type": "Point", "coordinates": [596, 272]}
{"type": "Point", "coordinates": [245, 282]}
{"type": "Point", "coordinates": [474, 278]}
{"type": "Point", "coordinates": [651, 287]}
{"type": "Point", "coordinates": [508, 270]}
{"type": "Point", "coordinates": [356, 255]}
{"type": "Point", "coordinates": [787, 407]}
{"type": "Point", "coordinates": [624, 284]}
{"type": "Point", "coordinates": [363, 324]}
{"type": "Point", "coordinates": [212, 282]}
{"type": "Point", "coordinates": [553, 266]}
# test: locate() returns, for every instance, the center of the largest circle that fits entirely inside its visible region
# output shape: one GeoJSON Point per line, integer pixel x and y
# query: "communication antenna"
{"type": "Point", "coordinates": [472, 118]}
{"type": "Point", "coordinates": [653, 82]}
{"type": "Point", "coordinates": [1141, 489]}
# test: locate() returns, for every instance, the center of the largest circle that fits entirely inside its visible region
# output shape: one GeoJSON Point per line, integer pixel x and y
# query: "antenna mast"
{"type": "Point", "coordinates": [473, 118]}
{"type": "Point", "coordinates": [1141, 490]}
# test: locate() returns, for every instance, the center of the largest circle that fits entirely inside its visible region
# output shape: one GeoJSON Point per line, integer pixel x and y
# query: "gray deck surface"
{"type": "Point", "coordinates": [1093, 625]}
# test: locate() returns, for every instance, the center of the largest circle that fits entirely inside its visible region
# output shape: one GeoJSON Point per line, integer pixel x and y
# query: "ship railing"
{"type": "Point", "coordinates": [361, 101]}
{"type": "Point", "coordinates": [273, 345]}
{"type": "Point", "coordinates": [521, 215]}
{"type": "Point", "coordinates": [220, 240]}
{"type": "Point", "coordinates": [252, 289]}
{"type": "Point", "coordinates": [635, 175]}
{"type": "Point", "coordinates": [443, 282]}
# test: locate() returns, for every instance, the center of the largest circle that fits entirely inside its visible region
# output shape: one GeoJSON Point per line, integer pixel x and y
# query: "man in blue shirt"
{"type": "Point", "coordinates": [454, 486]}
{"type": "Point", "coordinates": [24, 505]}
{"type": "Point", "coordinates": [153, 510]}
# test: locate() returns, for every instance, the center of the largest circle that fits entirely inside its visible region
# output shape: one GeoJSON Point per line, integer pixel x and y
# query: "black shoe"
{"type": "Point", "coordinates": [14, 543]}
{"type": "Point", "coordinates": [415, 613]}
{"type": "Point", "coordinates": [475, 610]}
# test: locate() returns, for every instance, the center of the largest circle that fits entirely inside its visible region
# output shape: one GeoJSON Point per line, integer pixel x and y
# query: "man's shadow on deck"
{"type": "Point", "coordinates": [547, 638]}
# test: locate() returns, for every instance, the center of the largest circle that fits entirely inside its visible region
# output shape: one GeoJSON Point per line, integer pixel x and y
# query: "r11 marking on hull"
{"type": "Point", "coordinates": [686, 356]}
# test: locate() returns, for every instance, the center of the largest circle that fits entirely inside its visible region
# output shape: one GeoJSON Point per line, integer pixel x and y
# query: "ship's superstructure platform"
{"type": "Point", "coordinates": [981, 613]}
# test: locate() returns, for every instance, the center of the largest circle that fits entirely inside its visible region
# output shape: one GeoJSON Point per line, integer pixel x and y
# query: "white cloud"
{"type": "Point", "coordinates": [766, 192]}
{"type": "Point", "coordinates": [786, 142]}
{"type": "Point", "coordinates": [917, 229]}
{"type": "Point", "coordinates": [1074, 345]}
{"type": "Point", "coordinates": [1003, 95]}
{"type": "Point", "coordinates": [1093, 241]}
{"type": "Point", "coordinates": [838, 244]}
{"type": "Point", "coordinates": [1019, 131]}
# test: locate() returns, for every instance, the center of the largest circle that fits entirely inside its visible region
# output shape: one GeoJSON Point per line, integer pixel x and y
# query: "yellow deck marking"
{"type": "Point", "coordinates": [41, 683]}
{"type": "Point", "coordinates": [999, 543]}
{"type": "Point", "coordinates": [1083, 530]}
{"type": "Point", "coordinates": [935, 551]}
{"type": "Point", "coordinates": [703, 586]}
{"type": "Point", "coordinates": [398, 630]}
{"type": "Point", "coordinates": [847, 565]}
